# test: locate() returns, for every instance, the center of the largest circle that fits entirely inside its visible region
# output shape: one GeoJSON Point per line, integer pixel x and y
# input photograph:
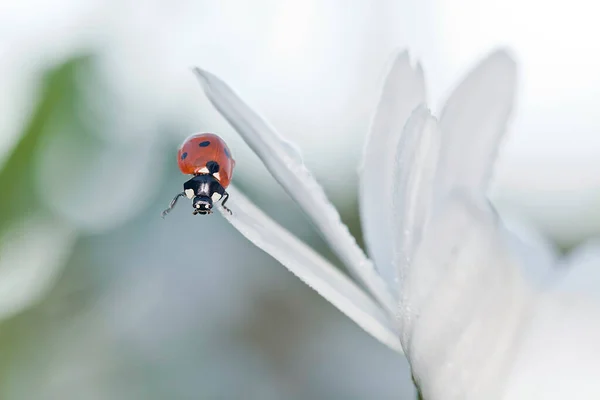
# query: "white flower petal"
{"type": "Point", "coordinates": [414, 171]}
{"type": "Point", "coordinates": [538, 255]}
{"type": "Point", "coordinates": [469, 305]}
{"type": "Point", "coordinates": [285, 164]}
{"type": "Point", "coordinates": [403, 91]}
{"type": "Point", "coordinates": [474, 121]}
{"type": "Point", "coordinates": [560, 356]}
{"type": "Point", "coordinates": [310, 267]}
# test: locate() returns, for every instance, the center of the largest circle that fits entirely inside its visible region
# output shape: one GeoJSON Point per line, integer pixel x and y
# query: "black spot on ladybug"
{"type": "Point", "coordinates": [226, 152]}
{"type": "Point", "coordinates": [183, 156]}
{"type": "Point", "coordinates": [213, 167]}
{"type": "Point", "coordinates": [206, 143]}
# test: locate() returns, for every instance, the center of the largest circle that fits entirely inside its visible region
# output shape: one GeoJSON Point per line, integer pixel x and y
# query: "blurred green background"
{"type": "Point", "coordinates": [102, 299]}
{"type": "Point", "coordinates": [122, 304]}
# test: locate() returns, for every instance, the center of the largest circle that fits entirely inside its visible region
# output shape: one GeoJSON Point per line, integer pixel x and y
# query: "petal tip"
{"type": "Point", "coordinates": [502, 58]}
{"type": "Point", "coordinates": [422, 110]}
{"type": "Point", "coordinates": [199, 72]}
{"type": "Point", "coordinates": [203, 76]}
{"type": "Point", "coordinates": [401, 55]}
{"type": "Point", "coordinates": [402, 58]}
{"type": "Point", "coordinates": [504, 53]}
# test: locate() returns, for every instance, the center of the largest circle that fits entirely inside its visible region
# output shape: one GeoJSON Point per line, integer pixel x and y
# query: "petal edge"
{"type": "Point", "coordinates": [310, 267]}
{"type": "Point", "coordinates": [474, 121]}
{"type": "Point", "coordinates": [296, 179]}
{"type": "Point", "coordinates": [403, 90]}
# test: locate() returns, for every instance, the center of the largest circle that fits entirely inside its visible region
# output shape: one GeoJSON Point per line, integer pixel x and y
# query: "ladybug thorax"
{"type": "Point", "coordinates": [205, 186]}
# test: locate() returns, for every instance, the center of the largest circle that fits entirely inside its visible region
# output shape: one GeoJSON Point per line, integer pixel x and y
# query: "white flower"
{"type": "Point", "coordinates": [450, 288]}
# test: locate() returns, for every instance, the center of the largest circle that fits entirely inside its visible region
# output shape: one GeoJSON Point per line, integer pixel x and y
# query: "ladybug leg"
{"type": "Point", "coordinates": [225, 198]}
{"type": "Point", "coordinates": [173, 202]}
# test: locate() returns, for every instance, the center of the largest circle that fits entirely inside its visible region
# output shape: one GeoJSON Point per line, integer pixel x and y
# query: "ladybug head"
{"type": "Point", "coordinates": [202, 205]}
{"type": "Point", "coordinates": [203, 190]}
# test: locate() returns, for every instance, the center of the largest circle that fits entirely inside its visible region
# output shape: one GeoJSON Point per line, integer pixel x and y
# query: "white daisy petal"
{"type": "Point", "coordinates": [403, 91]}
{"type": "Point", "coordinates": [310, 267]}
{"type": "Point", "coordinates": [285, 164]}
{"type": "Point", "coordinates": [414, 170]}
{"type": "Point", "coordinates": [538, 255]}
{"type": "Point", "coordinates": [562, 339]}
{"type": "Point", "coordinates": [471, 303]}
{"type": "Point", "coordinates": [474, 121]}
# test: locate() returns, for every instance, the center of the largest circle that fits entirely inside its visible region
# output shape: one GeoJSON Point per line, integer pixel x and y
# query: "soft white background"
{"type": "Point", "coordinates": [313, 68]}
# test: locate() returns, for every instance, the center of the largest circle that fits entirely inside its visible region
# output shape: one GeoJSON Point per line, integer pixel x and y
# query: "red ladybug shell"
{"type": "Point", "coordinates": [199, 149]}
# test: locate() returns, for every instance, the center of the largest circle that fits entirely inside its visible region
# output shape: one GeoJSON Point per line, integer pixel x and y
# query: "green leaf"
{"type": "Point", "coordinates": [58, 96]}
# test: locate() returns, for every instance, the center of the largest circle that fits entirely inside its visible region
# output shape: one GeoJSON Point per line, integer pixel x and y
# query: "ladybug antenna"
{"type": "Point", "coordinates": [173, 202]}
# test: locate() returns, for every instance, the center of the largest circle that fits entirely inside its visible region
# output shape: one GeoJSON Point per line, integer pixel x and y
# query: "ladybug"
{"type": "Point", "coordinates": [206, 157]}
